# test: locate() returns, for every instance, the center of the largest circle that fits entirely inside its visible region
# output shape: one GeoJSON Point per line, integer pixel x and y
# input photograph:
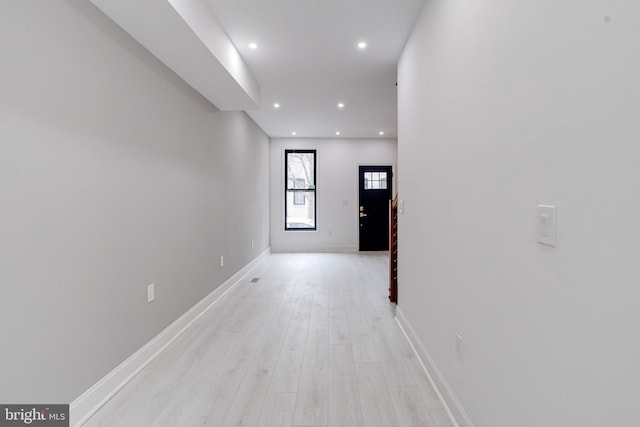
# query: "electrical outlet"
{"type": "Point", "coordinates": [221, 261]}
{"type": "Point", "coordinates": [547, 225]}
{"type": "Point", "coordinates": [459, 347]}
{"type": "Point", "coordinates": [151, 292]}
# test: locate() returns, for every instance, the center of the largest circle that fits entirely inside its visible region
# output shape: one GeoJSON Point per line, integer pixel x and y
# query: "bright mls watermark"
{"type": "Point", "coordinates": [34, 415]}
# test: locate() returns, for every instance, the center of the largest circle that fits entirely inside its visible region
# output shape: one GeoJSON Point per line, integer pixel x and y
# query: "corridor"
{"type": "Point", "coordinates": [312, 342]}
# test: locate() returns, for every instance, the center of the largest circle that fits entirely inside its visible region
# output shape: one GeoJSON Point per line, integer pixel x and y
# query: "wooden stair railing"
{"type": "Point", "coordinates": [393, 252]}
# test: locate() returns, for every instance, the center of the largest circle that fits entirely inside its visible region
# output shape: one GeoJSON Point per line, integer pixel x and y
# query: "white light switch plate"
{"type": "Point", "coordinates": [547, 225]}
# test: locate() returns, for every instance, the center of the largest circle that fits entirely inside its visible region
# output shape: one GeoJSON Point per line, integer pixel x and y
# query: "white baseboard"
{"type": "Point", "coordinates": [82, 408]}
{"type": "Point", "coordinates": [336, 249]}
{"type": "Point", "coordinates": [452, 405]}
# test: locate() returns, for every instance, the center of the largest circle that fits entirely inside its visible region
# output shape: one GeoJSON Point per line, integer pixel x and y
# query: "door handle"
{"type": "Point", "coordinates": [362, 215]}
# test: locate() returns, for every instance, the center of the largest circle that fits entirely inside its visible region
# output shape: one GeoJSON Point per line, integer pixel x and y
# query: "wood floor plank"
{"type": "Point", "coordinates": [339, 332]}
{"type": "Point", "coordinates": [246, 407]}
{"type": "Point", "coordinates": [211, 410]}
{"type": "Point", "coordinates": [286, 376]}
{"type": "Point", "coordinates": [277, 410]}
{"type": "Point", "coordinates": [377, 408]}
{"type": "Point", "coordinates": [344, 400]}
{"type": "Point", "coordinates": [392, 359]}
{"type": "Point", "coordinates": [410, 407]}
{"type": "Point", "coordinates": [312, 343]}
{"type": "Point", "coordinates": [249, 341]}
{"type": "Point", "coordinates": [361, 341]}
{"type": "Point", "coordinates": [312, 401]}
{"type": "Point", "coordinates": [269, 349]}
{"type": "Point", "coordinates": [191, 391]}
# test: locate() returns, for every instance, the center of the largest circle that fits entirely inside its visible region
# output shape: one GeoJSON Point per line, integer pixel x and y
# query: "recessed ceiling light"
{"type": "Point", "coordinates": [253, 45]}
{"type": "Point", "coordinates": [337, 133]}
{"type": "Point", "coordinates": [362, 45]}
{"type": "Point", "coordinates": [293, 133]}
{"type": "Point", "coordinates": [276, 105]}
{"type": "Point", "coordinates": [381, 133]}
{"type": "Point", "coordinates": [340, 105]}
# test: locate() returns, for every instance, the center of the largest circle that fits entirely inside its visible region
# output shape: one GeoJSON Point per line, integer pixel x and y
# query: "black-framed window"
{"type": "Point", "coordinates": [300, 189]}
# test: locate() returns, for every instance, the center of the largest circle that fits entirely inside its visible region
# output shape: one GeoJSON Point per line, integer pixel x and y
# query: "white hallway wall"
{"type": "Point", "coordinates": [504, 105]}
{"type": "Point", "coordinates": [113, 174]}
{"type": "Point", "coordinates": [337, 175]}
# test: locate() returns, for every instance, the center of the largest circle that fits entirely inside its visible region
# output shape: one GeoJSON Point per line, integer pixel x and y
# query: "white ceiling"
{"type": "Point", "coordinates": [307, 58]}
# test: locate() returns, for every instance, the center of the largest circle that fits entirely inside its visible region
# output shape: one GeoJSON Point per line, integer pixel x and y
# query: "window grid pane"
{"type": "Point", "coordinates": [300, 170]}
{"type": "Point", "coordinates": [301, 216]}
{"type": "Point", "coordinates": [375, 180]}
{"type": "Point", "coordinates": [300, 206]}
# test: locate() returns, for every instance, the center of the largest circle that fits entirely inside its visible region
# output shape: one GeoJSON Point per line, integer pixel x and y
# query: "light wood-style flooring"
{"type": "Point", "coordinates": [313, 342]}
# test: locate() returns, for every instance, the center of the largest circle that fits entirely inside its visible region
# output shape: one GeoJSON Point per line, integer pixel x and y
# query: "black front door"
{"type": "Point", "coordinates": [375, 193]}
